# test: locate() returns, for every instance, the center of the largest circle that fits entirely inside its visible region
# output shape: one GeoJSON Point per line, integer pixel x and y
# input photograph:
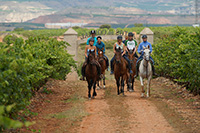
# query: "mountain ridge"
{"type": "Point", "coordinates": [95, 11]}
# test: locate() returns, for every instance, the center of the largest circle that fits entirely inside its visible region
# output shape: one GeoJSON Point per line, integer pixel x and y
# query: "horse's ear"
{"type": "Point", "coordinates": [102, 49]}
{"type": "Point", "coordinates": [143, 47]}
{"type": "Point", "coordinates": [98, 49]}
{"type": "Point", "coordinates": [148, 47]}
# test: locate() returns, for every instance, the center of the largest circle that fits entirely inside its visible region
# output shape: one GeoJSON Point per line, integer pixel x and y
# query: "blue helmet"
{"type": "Point", "coordinates": [130, 34]}
{"type": "Point", "coordinates": [144, 36]}
{"type": "Point", "coordinates": [93, 32]}
{"type": "Point", "coordinates": [119, 37]}
{"type": "Point", "coordinates": [91, 39]}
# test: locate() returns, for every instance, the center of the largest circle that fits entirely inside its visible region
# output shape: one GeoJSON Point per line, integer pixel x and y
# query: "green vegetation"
{"type": "Point", "coordinates": [42, 33]}
{"type": "Point", "coordinates": [107, 26]}
{"type": "Point", "coordinates": [138, 25]}
{"type": "Point", "coordinates": [26, 66]}
{"type": "Point", "coordinates": [177, 55]}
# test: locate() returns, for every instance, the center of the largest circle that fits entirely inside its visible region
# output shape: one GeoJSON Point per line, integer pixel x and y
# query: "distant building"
{"type": "Point", "coordinates": [63, 25]}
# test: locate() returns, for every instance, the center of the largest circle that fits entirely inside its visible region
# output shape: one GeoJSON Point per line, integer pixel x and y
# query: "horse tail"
{"type": "Point", "coordinates": [83, 71]}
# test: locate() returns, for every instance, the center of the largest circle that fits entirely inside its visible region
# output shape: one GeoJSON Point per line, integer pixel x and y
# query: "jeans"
{"type": "Point", "coordinates": [107, 60]}
{"type": "Point", "coordinates": [141, 57]}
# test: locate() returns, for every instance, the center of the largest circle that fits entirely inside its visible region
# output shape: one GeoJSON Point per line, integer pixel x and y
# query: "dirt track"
{"type": "Point", "coordinates": [129, 113]}
{"type": "Point", "coordinates": [67, 109]}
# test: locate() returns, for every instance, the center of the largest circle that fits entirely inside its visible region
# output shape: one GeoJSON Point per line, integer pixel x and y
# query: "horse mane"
{"type": "Point", "coordinates": [88, 61]}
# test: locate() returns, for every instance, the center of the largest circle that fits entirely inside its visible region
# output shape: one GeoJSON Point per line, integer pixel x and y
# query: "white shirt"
{"type": "Point", "coordinates": [131, 45]}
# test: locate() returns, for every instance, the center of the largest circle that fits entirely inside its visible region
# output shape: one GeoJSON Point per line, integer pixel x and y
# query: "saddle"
{"type": "Point", "coordinates": [124, 61]}
{"type": "Point", "coordinates": [96, 64]}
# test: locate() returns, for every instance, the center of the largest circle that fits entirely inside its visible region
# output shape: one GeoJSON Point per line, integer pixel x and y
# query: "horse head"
{"type": "Point", "coordinates": [130, 54]}
{"type": "Point", "coordinates": [147, 53]}
{"type": "Point", "coordinates": [91, 57]}
{"type": "Point", "coordinates": [100, 52]}
{"type": "Point", "coordinates": [118, 55]}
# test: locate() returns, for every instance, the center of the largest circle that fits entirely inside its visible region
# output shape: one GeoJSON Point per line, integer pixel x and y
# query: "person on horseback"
{"type": "Point", "coordinates": [126, 38]}
{"type": "Point", "coordinates": [145, 43]}
{"type": "Point", "coordinates": [120, 44]}
{"type": "Point", "coordinates": [131, 44]}
{"type": "Point", "coordinates": [93, 33]}
{"type": "Point", "coordinates": [101, 45]}
{"type": "Point", "coordinates": [88, 48]}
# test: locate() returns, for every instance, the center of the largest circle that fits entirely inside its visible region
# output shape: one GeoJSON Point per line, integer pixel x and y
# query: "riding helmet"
{"type": "Point", "coordinates": [119, 37]}
{"type": "Point", "coordinates": [91, 39]}
{"type": "Point", "coordinates": [93, 32]}
{"type": "Point", "coordinates": [130, 34]}
{"type": "Point", "coordinates": [144, 36]}
{"type": "Point", "coordinates": [99, 37]}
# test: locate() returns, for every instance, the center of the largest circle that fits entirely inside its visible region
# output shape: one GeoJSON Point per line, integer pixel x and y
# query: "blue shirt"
{"type": "Point", "coordinates": [100, 46]}
{"type": "Point", "coordinates": [95, 40]}
{"type": "Point", "coordinates": [145, 44]}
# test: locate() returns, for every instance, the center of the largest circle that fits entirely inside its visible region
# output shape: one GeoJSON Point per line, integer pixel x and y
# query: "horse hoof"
{"type": "Point", "coordinates": [104, 86]}
{"type": "Point", "coordinates": [89, 98]}
{"type": "Point", "coordinates": [131, 90]}
{"type": "Point", "coordinates": [142, 95]}
{"type": "Point", "coordinates": [98, 88]}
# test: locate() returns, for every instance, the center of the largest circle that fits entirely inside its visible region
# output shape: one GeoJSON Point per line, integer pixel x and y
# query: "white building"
{"type": "Point", "coordinates": [63, 25]}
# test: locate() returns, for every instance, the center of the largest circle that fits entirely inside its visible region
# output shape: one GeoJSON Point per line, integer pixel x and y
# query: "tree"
{"type": "Point", "coordinates": [105, 26]}
{"type": "Point", "coordinates": [138, 25]}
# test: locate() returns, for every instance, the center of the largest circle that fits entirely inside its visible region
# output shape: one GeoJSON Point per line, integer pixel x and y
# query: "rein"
{"type": "Point", "coordinates": [146, 66]}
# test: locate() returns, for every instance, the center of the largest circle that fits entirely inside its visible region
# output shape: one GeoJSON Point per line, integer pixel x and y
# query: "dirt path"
{"type": "Point", "coordinates": [129, 113]}
{"type": "Point", "coordinates": [64, 107]}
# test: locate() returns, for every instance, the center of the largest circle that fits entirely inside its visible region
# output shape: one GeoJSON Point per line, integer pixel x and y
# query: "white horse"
{"type": "Point", "coordinates": [145, 70]}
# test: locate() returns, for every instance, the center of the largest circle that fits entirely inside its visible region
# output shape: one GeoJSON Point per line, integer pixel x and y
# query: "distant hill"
{"type": "Point", "coordinates": [96, 11]}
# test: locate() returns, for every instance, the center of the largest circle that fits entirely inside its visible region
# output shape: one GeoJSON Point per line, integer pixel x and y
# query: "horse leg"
{"type": "Point", "coordinates": [122, 85]}
{"type": "Point", "coordinates": [94, 91]}
{"type": "Point", "coordinates": [117, 81]}
{"type": "Point", "coordinates": [148, 86]}
{"type": "Point", "coordinates": [133, 80]}
{"type": "Point", "coordinates": [104, 83]}
{"type": "Point", "coordinates": [141, 80]}
{"type": "Point", "coordinates": [131, 83]}
{"type": "Point", "coordinates": [89, 89]}
{"type": "Point", "coordinates": [98, 87]}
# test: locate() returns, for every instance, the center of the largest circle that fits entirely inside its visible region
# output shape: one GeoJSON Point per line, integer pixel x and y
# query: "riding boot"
{"type": "Point", "coordinates": [153, 69]}
{"type": "Point", "coordinates": [137, 69]}
{"type": "Point", "coordinates": [130, 69]}
{"type": "Point", "coordinates": [111, 68]}
{"type": "Point", "coordinates": [83, 71]}
{"type": "Point", "coordinates": [98, 67]}
{"type": "Point", "coordinates": [107, 62]}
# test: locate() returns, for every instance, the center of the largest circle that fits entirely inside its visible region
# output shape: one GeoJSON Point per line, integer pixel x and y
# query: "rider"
{"type": "Point", "coordinates": [131, 44]}
{"type": "Point", "coordinates": [126, 38]}
{"type": "Point", "coordinates": [100, 45]}
{"type": "Point", "coordinates": [92, 32]}
{"type": "Point", "coordinates": [145, 43]}
{"type": "Point", "coordinates": [87, 49]}
{"type": "Point", "coordinates": [123, 47]}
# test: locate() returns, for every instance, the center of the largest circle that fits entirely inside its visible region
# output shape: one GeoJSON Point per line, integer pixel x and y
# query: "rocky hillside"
{"type": "Point", "coordinates": [95, 11]}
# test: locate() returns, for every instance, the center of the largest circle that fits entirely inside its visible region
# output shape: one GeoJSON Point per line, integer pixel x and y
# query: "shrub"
{"type": "Point", "coordinates": [27, 65]}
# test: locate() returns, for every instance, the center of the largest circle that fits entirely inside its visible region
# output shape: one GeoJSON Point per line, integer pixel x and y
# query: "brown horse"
{"type": "Point", "coordinates": [92, 73]}
{"type": "Point", "coordinates": [102, 62]}
{"type": "Point", "coordinates": [120, 70]}
{"type": "Point", "coordinates": [133, 61]}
